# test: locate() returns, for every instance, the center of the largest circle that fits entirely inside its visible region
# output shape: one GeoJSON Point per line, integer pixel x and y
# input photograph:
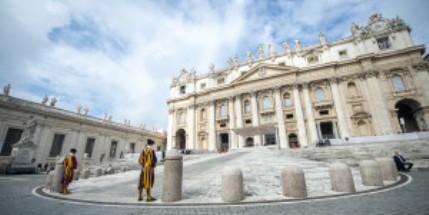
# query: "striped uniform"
{"type": "Point", "coordinates": [147, 161]}
{"type": "Point", "coordinates": [70, 164]}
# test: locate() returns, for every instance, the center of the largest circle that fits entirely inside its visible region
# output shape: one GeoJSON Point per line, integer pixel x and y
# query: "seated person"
{"type": "Point", "coordinates": [401, 162]}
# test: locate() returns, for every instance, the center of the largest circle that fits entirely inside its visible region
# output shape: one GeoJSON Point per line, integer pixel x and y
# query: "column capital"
{"type": "Point", "coordinates": [276, 89]}
{"type": "Point", "coordinates": [305, 85]}
{"type": "Point", "coordinates": [296, 85]}
{"type": "Point", "coordinates": [421, 66]}
{"type": "Point", "coordinates": [369, 73]}
{"type": "Point", "coordinates": [238, 96]}
{"type": "Point", "coordinates": [170, 111]}
{"type": "Point", "coordinates": [333, 80]}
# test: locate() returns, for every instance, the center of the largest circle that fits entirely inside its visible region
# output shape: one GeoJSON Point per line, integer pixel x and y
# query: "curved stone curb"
{"type": "Point", "coordinates": [404, 178]}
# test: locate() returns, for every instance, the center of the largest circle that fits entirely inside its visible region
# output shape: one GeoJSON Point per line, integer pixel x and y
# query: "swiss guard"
{"type": "Point", "coordinates": [147, 161]}
{"type": "Point", "coordinates": [70, 164]}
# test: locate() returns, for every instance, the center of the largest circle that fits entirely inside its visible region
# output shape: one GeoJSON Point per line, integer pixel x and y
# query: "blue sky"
{"type": "Point", "coordinates": [119, 57]}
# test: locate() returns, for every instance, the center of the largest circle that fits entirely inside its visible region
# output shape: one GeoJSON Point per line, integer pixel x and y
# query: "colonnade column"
{"type": "Point", "coordinates": [190, 115]}
{"type": "Point", "coordinates": [280, 119]}
{"type": "Point", "coordinates": [170, 135]}
{"type": "Point", "coordinates": [309, 111]}
{"type": "Point", "coordinates": [302, 133]}
{"type": "Point", "coordinates": [239, 120]}
{"type": "Point", "coordinates": [378, 106]}
{"type": "Point", "coordinates": [231, 115]}
{"type": "Point", "coordinates": [339, 108]}
{"type": "Point", "coordinates": [212, 126]}
{"type": "Point", "coordinates": [255, 119]}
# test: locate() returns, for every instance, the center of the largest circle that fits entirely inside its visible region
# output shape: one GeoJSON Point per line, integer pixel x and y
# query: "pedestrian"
{"type": "Point", "coordinates": [401, 162]}
{"type": "Point", "coordinates": [70, 164]}
{"type": "Point", "coordinates": [147, 161]}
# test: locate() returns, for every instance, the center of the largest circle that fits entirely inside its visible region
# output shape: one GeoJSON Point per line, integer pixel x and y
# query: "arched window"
{"type": "Point", "coordinates": [398, 83]}
{"type": "Point", "coordinates": [352, 89]}
{"type": "Point", "coordinates": [181, 118]}
{"type": "Point", "coordinates": [286, 100]}
{"type": "Point", "coordinates": [222, 110]}
{"type": "Point", "coordinates": [320, 94]}
{"type": "Point", "coordinates": [246, 106]}
{"type": "Point", "coordinates": [203, 114]}
{"type": "Point", "coordinates": [266, 102]}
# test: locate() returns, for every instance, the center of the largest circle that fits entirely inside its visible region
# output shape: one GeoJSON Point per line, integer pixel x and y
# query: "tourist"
{"type": "Point", "coordinates": [401, 162]}
{"type": "Point", "coordinates": [70, 164]}
{"type": "Point", "coordinates": [147, 161]}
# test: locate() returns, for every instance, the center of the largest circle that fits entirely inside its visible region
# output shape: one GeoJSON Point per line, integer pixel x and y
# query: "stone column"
{"type": "Point", "coordinates": [422, 69]}
{"type": "Point", "coordinates": [231, 115]}
{"type": "Point", "coordinates": [86, 173]}
{"type": "Point", "coordinates": [49, 181]}
{"type": "Point", "coordinates": [232, 185]}
{"type": "Point", "coordinates": [190, 122]}
{"type": "Point", "coordinates": [280, 119]}
{"type": "Point", "coordinates": [239, 119]}
{"type": "Point", "coordinates": [212, 126]}
{"type": "Point", "coordinates": [310, 117]}
{"type": "Point", "coordinates": [170, 134]}
{"type": "Point", "coordinates": [339, 108]}
{"type": "Point", "coordinates": [58, 175]}
{"type": "Point", "coordinates": [302, 132]}
{"type": "Point", "coordinates": [173, 176]}
{"type": "Point", "coordinates": [255, 118]}
{"type": "Point", "coordinates": [379, 110]}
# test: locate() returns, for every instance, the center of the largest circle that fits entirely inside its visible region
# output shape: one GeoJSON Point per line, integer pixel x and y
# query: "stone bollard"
{"type": "Point", "coordinates": [173, 176]}
{"type": "Point", "coordinates": [370, 173]}
{"type": "Point", "coordinates": [86, 173]}
{"type": "Point", "coordinates": [232, 185]}
{"type": "Point", "coordinates": [58, 176]}
{"type": "Point", "coordinates": [293, 181]}
{"type": "Point", "coordinates": [49, 181]}
{"type": "Point", "coordinates": [388, 168]}
{"type": "Point", "coordinates": [341, 178]}
{"type": "Point", "coordinates": [124, 169]}
{"type": "Point", "coordinates": [98, 172]}
{"type": "Point", "coordinates": [76, 174]}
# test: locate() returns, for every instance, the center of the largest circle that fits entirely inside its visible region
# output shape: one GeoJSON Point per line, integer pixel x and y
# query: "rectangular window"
{"type": "Point", "coordinates": [132, 147]}
{"type": "Point", "coordinates": [324, 112]}
{"type": "Point", "coordinates": [182, 90]}
{"type": "Point", "coordinates": [289, 116]}
{"type": "Point", "coordinates": [312, 59]}
{"type": "Point", "coordinates": [383, 43]}
{"type": "Point", "coordinates": [248, 121]}
{"type": "Point", "coordinates": [57, 145]}
{"type": "Point", "coordinates": [223, 125]}
{"type": "Point", "coordinates": [113, 149]}
{"type": "Point", "coordinates": [220, 81]}
{"type": "Point", "coordinates": [89, 146]}
{"type": "Point", "coordinates": [203, 86]}
{"type": "Point", "coordinates": [13, 136]}
{"type": "Point", "coordinates": [342, 54]}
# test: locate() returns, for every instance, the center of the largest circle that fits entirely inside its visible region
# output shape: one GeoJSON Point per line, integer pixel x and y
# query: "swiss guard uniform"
{"type": "Point", "coordinates": [70, 164]}
{"type": "Point", "coordinates": [147, 161]}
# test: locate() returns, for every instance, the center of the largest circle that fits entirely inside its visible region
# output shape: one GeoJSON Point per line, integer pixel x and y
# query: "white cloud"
{"type": "Point", "coordinates": [156, 39]}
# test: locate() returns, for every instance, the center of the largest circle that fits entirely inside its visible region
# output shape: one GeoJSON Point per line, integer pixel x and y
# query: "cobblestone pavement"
{"type": "Point", "coordinates": [16, 198]}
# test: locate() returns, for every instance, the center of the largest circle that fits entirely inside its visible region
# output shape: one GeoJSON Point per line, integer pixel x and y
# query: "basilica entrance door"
{"type": "Point", "coordinates": [181, 139]}
{"type": "Point", "coordinates": [270, 139]}
{"type": "Point", "coordinates": [408, 111]}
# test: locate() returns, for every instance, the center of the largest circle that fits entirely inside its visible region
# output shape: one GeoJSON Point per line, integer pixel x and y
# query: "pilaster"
{"type": "Point", "coordinates": [302, 133]}
{"type": "Point", "coordinates": [280, 119]}
{"type": "Point", "coordinates": [310, 115]}
{"type": "Point", "coordinates": [339, 108]}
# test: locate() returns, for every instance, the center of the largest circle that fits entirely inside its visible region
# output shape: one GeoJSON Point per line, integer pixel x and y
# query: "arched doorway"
{"type": "Point", "coordinates": [410, 115]}
{"type": "Point", "coordinates": [293, 141]}
{"type": "Point", "coordinates": [181, 139]}
{"type": "Point", "coordinates": [249, 142]}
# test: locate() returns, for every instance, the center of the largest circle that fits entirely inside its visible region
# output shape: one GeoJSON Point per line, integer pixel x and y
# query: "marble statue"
{"type": "Point", "coordinates": [53, 102]}
{"type": "Point", "coordinates": [29, 129]}
{"type": "Point", "coordinates": [85, 111]}
{"type": "Point", "coordinates": [45, 100]}
{"type": "Point", "coordinates": [286, 47]}
{"type": "Point", "coordinates": [297, 46]}
{"type": "Point", "coordinates": [211, 68]}
{"type": "Point", "coordinates": [6, 90]}
{"type": "Point", "coordinates": [261, 51]}
{"type": "Point", "coordinates": [78, 108]}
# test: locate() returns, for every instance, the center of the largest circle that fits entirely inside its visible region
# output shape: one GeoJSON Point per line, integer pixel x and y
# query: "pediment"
{"type": "Point", "coordinates": [262, 71]}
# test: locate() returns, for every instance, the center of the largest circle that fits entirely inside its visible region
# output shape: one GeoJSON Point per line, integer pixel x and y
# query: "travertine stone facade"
{"type": "Point", "coordinates": [59, 130]}
{"type": "Point", "coordinates": [373, 82]}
